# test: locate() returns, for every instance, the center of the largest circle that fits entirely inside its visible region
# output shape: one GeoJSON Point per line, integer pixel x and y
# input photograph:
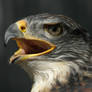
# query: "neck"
{"type": "Point", "coordinates": [46, 74]}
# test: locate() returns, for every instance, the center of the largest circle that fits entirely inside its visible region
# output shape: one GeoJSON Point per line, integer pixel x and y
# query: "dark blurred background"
{"type": "Point", "coordinates": [12, 77]}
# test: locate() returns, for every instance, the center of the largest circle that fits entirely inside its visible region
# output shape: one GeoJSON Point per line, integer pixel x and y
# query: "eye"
{"type": "Point", "coordinates": [54, 29]}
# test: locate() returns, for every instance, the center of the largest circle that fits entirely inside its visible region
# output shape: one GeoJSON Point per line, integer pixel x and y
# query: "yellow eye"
{"type": "Point", "coordinates": [22, 25]}
{"type": "Point", "coordinates": [54, 29]}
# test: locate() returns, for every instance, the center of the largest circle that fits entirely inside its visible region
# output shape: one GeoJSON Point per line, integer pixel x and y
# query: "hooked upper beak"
{"type": "Point", "coordinates": [12, 32]}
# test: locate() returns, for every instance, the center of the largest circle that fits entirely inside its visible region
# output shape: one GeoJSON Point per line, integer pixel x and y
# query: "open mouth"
{"type": "Point", "coordinates": [31, 47]}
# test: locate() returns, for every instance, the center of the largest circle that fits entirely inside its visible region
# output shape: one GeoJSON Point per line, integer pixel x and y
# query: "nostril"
{"type": "Point", "coordinates": [23, 28]}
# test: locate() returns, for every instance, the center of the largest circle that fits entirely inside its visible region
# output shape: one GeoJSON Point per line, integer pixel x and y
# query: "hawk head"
{"type": "Point", "coordinates": [41, 34]}
{"type": "Point", "coordinates": [48, 46]}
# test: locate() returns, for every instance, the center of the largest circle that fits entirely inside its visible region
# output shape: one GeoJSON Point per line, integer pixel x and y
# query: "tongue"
{"type": "Point", "coordinates": [32, 46]}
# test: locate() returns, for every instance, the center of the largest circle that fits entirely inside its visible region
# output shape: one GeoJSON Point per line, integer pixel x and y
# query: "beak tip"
{"type": "Point", "coordinates": [12, 61]}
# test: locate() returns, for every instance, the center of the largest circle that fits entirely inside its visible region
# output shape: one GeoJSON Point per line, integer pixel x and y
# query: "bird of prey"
{"type": "Point", "coordinates": [55, 51]}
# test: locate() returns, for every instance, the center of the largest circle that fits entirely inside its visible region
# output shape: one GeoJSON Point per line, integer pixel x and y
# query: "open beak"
{"type": "Point", "coordinates": [28, 47]}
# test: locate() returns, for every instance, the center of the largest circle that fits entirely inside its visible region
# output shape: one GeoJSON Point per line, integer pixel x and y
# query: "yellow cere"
{"type": "Point", "coordinates": [22, 25]}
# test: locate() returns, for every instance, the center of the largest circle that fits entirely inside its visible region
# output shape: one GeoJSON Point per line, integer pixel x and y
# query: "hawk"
{"type": "Point", "coordinates": [55, 51]}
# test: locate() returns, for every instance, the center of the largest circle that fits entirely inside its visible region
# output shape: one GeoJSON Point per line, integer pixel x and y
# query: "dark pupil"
{"type": "Point", "coordinates": [53, 27]}
{"type": "Point", "coordinates": [22, 27]}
